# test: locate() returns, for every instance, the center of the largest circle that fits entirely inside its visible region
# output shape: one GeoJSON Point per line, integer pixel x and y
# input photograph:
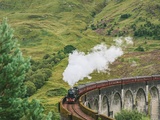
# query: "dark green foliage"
{"type": "Point", "coordinates": [31, 88]}
{"type": "Point", "coordinates": [41, 70]}
{"type": "Point", "coordinates": [69, 49]}
{"type": "Point", "coordinates": [34, 111]}
{"type": "Point", "coordinates": [47, 72]}
{"type": "Point", "coordinates": [34, 16]}
{"type": "Point", "coordinates": [61, 54]}
{"type": "Point", "coordinates": [13, 68]}
{"type": "Point", "coordinates": [100, 25]}
{"type": "Point", "coordinates": [93, 27]}
{"type": "Point", "coordinates": [125, 16]}
{"type": "Point", "coordinates": [118, 1]}
{"type": "Point", "coordinates": [148, 29]}
{"type": "Point", "coordinates": [46, 56]}
{"type": "Point", "coordinates": [133, 26]}
{"type": "Point", "coordinates": [93, 13]}
{"type": "Point", "coordinates": [56, 92]}
{"type": "Point", "coordinates": [109, 32]}
{"type": "Point", "coordinates": [12, 73]}
{"type": "Point", "coordinates": [38, 79]}
{"type": "Point", "coordinates": [129, 115]}
{"type": "Point", "coordinates": [140, 48]}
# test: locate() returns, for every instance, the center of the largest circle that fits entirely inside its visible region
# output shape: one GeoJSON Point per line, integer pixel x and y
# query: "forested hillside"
{"type": "Point", "coordinates": [48, 30]}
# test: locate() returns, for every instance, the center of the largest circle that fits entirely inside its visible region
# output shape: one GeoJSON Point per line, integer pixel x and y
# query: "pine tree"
{"type": "Point", "coordinates": [34, 111]}
{"type": "Point", "coordinates": [12, 73]}
{"type": "Point", "coordinates": [13, 68]}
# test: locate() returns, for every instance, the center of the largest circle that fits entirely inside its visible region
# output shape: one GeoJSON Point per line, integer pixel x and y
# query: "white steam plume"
{"type": "Point", "coordinates": [81, 65]}
{"type": "Point", "coordinates": [120, 42]}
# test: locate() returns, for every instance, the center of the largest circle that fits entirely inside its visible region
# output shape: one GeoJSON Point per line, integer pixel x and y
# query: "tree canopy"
{"type": "Point", "coordinates": [13, 68]}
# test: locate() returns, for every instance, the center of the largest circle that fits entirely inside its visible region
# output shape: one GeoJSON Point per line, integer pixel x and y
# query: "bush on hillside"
{"type": "Point", "coordinates": [47, 72]}
{"type": "Point", "coordinates": [31, 88]}
{"type": "Point", "coordinates": [46, 56]}
{"type": "Point", "coordinates": [93, 27]}
{"type": "Point", "coordinates": [68, 49]}
{"type": "Point", "coordinates": [148, 30]}
{"type": "Point", "coordinates": [129, 115]}
{"type": "Point", "coordinates": [41, 70]}
{"type": "Point", "coordinates": [140, 48]}
{"type": "Point", "coordinates": [39, 79]}
{"type": "Point", "coordinates": [125, 16]}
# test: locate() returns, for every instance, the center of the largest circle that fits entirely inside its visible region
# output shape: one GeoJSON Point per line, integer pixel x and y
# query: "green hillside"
{"type": "Point", "coordinates": [135, 17]}
{"type": "Point", "coordinates": [46, 26]}
{"type": "Point", "coordinates": [50, 25]}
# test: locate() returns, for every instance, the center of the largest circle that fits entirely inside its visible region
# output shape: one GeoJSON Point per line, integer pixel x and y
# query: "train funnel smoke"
{"type": "Point", "coordinates": [81, 65]}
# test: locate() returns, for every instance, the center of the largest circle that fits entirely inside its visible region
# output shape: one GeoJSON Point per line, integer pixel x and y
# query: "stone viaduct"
{"type": "Point", "coordinates": [141, 96]}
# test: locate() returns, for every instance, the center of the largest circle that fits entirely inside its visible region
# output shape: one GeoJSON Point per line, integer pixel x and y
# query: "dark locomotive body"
{"type": "Point", "coordinates": [75, 92]}
{"type": "Point", "coordinates": [72, 95]}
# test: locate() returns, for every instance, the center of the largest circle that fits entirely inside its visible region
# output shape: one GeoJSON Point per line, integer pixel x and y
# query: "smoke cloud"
{"type": "Point", "coordinates": [122, 42]}
{"type": "Point", "coordinates": [81, 65]}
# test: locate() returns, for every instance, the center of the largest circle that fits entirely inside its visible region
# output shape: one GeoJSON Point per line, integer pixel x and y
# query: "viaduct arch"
{"type": "Point", "coordinates": [143, 96]}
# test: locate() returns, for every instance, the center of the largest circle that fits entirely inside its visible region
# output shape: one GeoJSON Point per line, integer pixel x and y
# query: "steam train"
{"type": "Point", "coordinates": [75, 92]}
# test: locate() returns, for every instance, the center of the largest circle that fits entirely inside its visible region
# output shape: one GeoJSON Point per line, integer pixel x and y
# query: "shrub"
{"type": "Point", "coordinates": [31, 89]}
{"type": "Point", "coordinates": [42, 69]}
{"type": "Point", "coordinates": [38, 83]}
{"type": "Point", "coordinates": [39, 79]}
{"type": "Point", "coordinates": [125, 16]}
{"type": "Point", "coordinates": [93, 27]}
{"type": "Point", "coordinates": [148, 30]}
{"type": "Point", "coordinates": [129, 115]}
{"type": "Point", "coordinates": [61, 55]}
{"type": "Point", "coordinates": [68, 49]}
{"type": "Point", "coordinates": [47, 72]}
{"type": "Point", "coordinates": [93, 13]}
{"type": "Point", "coordinates": [46, 56]}
{"type": "Point", "coordinates": [140, 48]}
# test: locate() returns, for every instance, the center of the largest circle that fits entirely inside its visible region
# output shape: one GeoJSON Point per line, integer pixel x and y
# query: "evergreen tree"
{"type": "Point", "coordinates": [13, 68]}
{"type": "Point", "coordinates": [12, 73]}
{"type": "Point", "coordinates": [34, 111]}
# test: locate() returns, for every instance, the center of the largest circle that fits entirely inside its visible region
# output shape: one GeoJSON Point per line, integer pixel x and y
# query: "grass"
{"type": "Point", "coordinates": [48, 26]}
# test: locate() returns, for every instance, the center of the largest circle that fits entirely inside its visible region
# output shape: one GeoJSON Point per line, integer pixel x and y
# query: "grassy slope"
{"type": "Point", "coordinates": [50, 25]}
{"type": "Point", "coordinates": [138, 9]}
{"type": "Point", "coordinates": [47, 26]}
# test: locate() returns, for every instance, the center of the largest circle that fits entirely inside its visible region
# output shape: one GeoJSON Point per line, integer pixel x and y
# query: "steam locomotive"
{"type": "Point", "coordinates": [75, 92]}
{"type": "Point", "coordinates": [72, 95]}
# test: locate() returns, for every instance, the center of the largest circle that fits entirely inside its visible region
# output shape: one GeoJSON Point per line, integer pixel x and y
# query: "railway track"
{"type": "Point", "coordinates": [75, 110]}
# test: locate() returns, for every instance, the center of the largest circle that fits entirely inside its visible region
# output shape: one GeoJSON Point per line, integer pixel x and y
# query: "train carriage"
{"type": "Point", "coordinates": [81, 89]}
{"type": "Point", "coordinates": [128, 80]}
{"type": "Point", "coordinates": [115, 82]}
{"type": "Point", "coordinates": [155, 77]}
{"type": "Point", "coordinates": [143, 78]}
{"type": "Point", "coordinates": [75, 92]}
{"type": "Point", "coordinates": [90, 86]}
{"type": "Point", "coordinates": [101, 84]}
